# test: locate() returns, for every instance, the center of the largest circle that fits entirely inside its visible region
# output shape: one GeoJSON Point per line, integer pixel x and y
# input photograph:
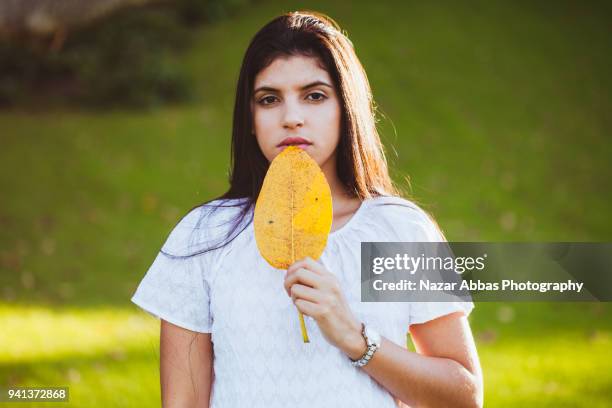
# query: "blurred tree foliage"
{"type": "Point", "coordinates": [127, 59]}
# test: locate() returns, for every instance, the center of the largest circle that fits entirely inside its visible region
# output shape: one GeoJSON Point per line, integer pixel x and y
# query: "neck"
{"type": "Point", "coordinates": [340, 197]}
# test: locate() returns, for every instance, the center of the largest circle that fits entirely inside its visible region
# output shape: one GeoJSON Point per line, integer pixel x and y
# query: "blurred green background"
{"type": "Point", "coordinates": [499, 112]}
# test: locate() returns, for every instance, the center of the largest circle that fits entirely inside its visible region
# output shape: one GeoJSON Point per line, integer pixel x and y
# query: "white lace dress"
{"type": "Point", "coordinates": [260, 359]}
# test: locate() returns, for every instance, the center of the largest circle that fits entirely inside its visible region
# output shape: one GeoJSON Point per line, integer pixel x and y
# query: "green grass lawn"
{"type": "Point", "coordinates": [499, 113]}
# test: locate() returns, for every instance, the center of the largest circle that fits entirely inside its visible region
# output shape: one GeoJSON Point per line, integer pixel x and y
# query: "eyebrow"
{"type": "Point", "coordinates": [310, 85]}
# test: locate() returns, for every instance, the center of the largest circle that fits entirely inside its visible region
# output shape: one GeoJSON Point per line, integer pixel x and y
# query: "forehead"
{"type": "Point", "coordinates": [292, 71]}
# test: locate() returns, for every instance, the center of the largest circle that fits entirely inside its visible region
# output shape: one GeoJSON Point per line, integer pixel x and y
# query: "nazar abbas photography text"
{"type": "Point", "coordinates": [410, 265]}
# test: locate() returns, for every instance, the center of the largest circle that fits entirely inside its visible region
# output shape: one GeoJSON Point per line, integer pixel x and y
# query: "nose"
{"type": "Point", "coordinates": [292, 117]}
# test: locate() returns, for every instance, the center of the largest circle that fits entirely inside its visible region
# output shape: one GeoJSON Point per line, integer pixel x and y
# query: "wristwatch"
{"type": "Point", "coordinates": [373, 340]}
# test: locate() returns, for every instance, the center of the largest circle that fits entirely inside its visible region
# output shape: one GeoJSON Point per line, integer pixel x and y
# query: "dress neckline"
{"type": "Point", "coordinates": [349, 224]}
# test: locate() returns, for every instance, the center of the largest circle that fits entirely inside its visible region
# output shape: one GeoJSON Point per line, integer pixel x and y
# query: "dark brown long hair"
{"type": "Point", "coordinates": [360, 163]}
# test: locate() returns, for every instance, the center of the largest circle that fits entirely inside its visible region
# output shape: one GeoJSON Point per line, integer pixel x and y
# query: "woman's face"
{"type": "Point", "coordinates": [295, 98]}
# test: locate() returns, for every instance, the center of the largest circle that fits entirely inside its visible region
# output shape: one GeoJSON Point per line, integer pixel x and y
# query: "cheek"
{"type": "Point", "coordinates": [328, 123]}
{"type": "Point", "coordinates": [261, 119]}
{"type": "Point", "coordinates": [263, 124]}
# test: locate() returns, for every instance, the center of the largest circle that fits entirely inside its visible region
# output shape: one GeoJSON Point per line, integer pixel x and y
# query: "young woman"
{"type": "Point", "coordinates": [230, 336]}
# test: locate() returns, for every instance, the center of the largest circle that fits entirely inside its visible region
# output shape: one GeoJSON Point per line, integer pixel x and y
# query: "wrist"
{"type": "Point", "coordinates": [354, 345]}
{"type": "Point", "coordinates": [373, 342]}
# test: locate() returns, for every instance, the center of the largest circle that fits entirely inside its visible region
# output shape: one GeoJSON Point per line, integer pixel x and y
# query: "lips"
{"type": "Point", "coordinates": [297, 141]}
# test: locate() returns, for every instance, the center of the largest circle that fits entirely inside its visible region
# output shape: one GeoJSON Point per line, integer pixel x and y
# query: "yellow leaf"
{"type": "Point", "coordinates": [293, 213]}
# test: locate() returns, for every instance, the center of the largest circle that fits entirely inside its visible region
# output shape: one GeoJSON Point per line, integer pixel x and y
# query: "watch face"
{"type": "Point", "coordinates": [373, 336]}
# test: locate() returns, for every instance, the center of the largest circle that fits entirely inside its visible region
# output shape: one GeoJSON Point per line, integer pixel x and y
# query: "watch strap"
{"type": "Point", "coordinates": [367, 356]}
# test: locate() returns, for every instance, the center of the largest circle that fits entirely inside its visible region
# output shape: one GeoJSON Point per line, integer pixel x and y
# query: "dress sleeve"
{"type": "Point", "coordinates": [175, 288]}
{"type": "Point", "coordinates": [417, 226]}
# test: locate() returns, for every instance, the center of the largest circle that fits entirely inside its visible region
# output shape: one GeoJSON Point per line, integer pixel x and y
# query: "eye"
{"type": "Point", "coordinates": [319, 96]}
{"type": "Point", "coordinates": [267, 100]}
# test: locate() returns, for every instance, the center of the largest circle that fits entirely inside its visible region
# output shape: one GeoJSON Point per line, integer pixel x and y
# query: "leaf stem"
{"type": "Point", "coordinates": [303, 327]}
{"type": "Point", "coordinates": [300, 315]}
